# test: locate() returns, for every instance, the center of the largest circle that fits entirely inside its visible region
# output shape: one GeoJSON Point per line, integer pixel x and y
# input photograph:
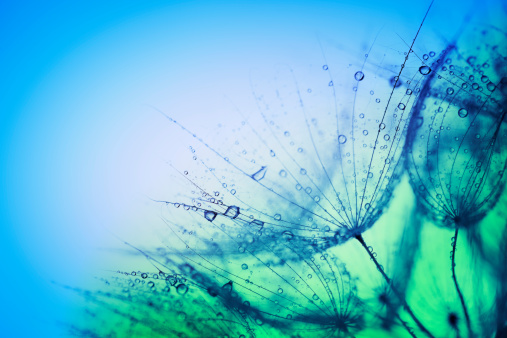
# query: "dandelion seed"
{"type": "Point", "coordinates": [458, 158]}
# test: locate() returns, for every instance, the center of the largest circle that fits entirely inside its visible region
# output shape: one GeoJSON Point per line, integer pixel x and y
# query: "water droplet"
{"type": "Point", "coordinates": [244, 266]}
{"type": "Point", "coordinates": [365, 132]}
{"type": "Point", "coordinates": [233, 191]}
{"type": "Point", "coordinates": [462, 112]}
{"type": "Point", "coordinates": [382, 126]}
{"type": "Point", "coordinates": [426, 56]}
{"type": "Point", "coordinates": [491, 86]}
{"type": "Point", "coordinates": [302, 171]}
{"type": "Point", "coordinates": [432, 54]}
{"type": "Point", "coordinates": [259, 175]}
{"type": "Point", "coordinates": [278, 217]}
{"type": "Point", "coordinates": [395, 81]}
{"type": "Point", "coordinates": [227, 287]}
{"type": "Point", "coordinates": [409, 92]}
{"type": "Point", "coordinates": [450, 91]}
{"type": "Point", "coordinates": [424, 70]}
{"type": "Point", "coordinates": [310, 276]}
{"type": "Point", "coordinates": [280, 290]}
{"type": "Point", "coordinates": [287, 134]}
{"type": "Point", "coordinates": [272, 153]}
{"type": "Point", "coordinates": [315, 297]}
{"type": "Point", "coordinates": [377, 100]}
{"type": "Point", "coordinates": [342, 139]}
{"type": "Point", "coordinates": [287, 235]}
{"type": "Point", "coordinates": [283, 173]}
{"type": "Point", "coordinates": [484, 79]}
{"type": "Point", "coordinates": [359, 76]}
{"type": "Point", "coordinates": [232, 212]}
{"type": "Point", "coordinates": [361, 116]}
{"type": "Point", "coordinates": [298, 187]}
{"type": "Point", "coordinates": [181, 289]}
{"type": "Point", "coordinates": [325, 67]}
{"type": "Point", "coordinates": [386, 137]}
{"type": "Point", "coordinates": [210, 215]}
{"type": "Point", "coordinates": [330, 84]}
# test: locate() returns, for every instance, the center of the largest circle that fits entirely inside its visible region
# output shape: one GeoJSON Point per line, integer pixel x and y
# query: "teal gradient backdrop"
{"type": "Point", "coordinates": [83, 150]}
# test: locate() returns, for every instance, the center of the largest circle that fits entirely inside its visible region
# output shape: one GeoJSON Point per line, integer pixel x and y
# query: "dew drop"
{"type": "Point", "coordinates": [278, 217]}
{"type": "Point", "coordinates": [181, 289]}
{"type": "Point", "coordinates": [283, 173]}
{"type": "Point", "coordinates": [401, 106]}
{"type": "Point", "coordinates": [462, 113]}
{"type": "Point", "coordinates": [287, 235]}
{"type": "Point", "coordinates": [302, 171]}
{"type": "Point", "coordinates": [365, 132]}
{"type": "Point", "coordinates": [450, 91]}
{"type": "Point", "coordinates": [424, 70]}
{"type": "Point", "coordinates": [280, 290]}
{"type": "Point", "coordinates": [210, 215]}
{"type": "Point", "coordinates": [325, 67]}
{"type": "Point", "coordinates": [259, 175]}
{"type": "Point", "coordinates": [386, 137]}
{"type": "Point", "coordinates": [232, 212]}
{"type": "Point", "coordinates": [359, 76]}
{"type": "Point", "coordinates": [244, 266]}
{"type": "Point", "coordinates": [342, 139]}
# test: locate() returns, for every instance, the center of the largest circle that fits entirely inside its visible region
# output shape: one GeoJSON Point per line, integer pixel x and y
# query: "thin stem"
{"type": "Point", "coordinates": [453, 268]}
{"type": "Point", "coordinates": [395, 290]}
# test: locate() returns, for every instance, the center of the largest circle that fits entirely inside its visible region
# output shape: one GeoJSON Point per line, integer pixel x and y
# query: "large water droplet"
{"type": "Point", "coordinates": [462, 112]}
{"type": "Point", "coordinates": [359, 76]}
{"type": "Point", "coordinates": [232, 212]}
{"type": "Point", "coordinates": [227, 287]}
{"type": "Point", "coordinates": [424, 70]}
{"type": "Point", "coordinates": [259, 175]}
{"type": "Point", "coordinates": [210, 215]}
{"type": "Point", "coordinates": [181, 289]}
